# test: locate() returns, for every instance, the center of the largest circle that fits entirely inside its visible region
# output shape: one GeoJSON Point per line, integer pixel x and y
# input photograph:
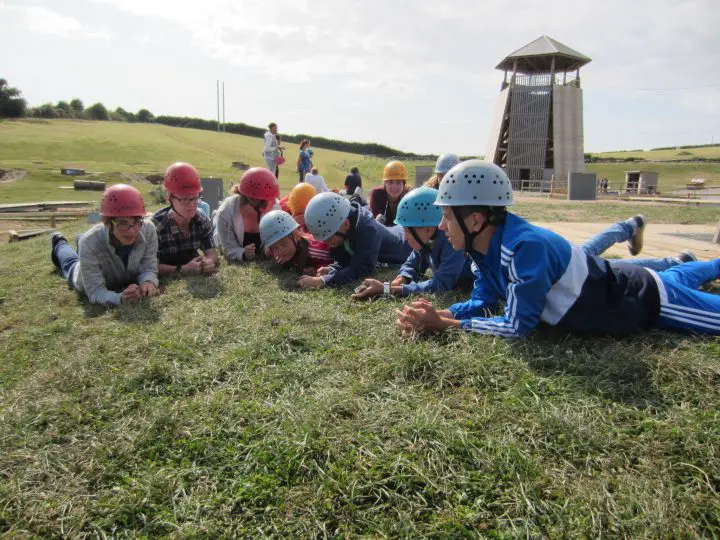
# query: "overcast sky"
{"type": "Point", "coordinates": [417, 75]}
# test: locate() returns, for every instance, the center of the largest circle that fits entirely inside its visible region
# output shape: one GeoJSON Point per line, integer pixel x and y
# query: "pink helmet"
{"type": "Point", "coordinates": [259, 183]}
{"type": "Point", "coordinates": [122, 200]}
{"type": "Point", "coordinates": [182, 179]}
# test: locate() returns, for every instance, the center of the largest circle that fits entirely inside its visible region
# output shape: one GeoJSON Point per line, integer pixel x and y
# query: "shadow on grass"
{"type": "Point", "coordinates": [142, 312]}
{"type": "Point", "coordinates": [204, 287]}
{"type": "Point", "coordinates": [618, 369]}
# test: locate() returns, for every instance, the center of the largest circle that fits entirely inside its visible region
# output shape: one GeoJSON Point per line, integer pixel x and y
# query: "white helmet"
{"type": "Point", "coordinates": [475, 183]}
{"type": "Point", "coordinates": [325, 213]}
{"type": "Point", "coordinates": [275, 226]}
{"type": "Point", "coordinates": [446, 162]}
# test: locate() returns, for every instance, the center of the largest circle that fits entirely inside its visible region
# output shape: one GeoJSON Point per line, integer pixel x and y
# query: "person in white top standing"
{"type": "Point", "coordinates": [271, 150]}
{"type": "Point", "coordinates": [315, 180]}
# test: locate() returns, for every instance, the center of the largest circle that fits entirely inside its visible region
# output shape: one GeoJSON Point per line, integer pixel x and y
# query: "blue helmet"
{"type": "Point", "coordinates": [325, 213]}
{"type": "Point", "coordinates": [275, 226]}
{"type": "Point", "coordinates": [417, 209]}
{"type": "Point", "coordinates": [446, 162]}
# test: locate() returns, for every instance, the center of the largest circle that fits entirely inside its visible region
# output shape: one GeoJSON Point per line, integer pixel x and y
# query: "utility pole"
{"type": "Point", "coordinates": [223, 99]}
{"type": "Point", "coordinates": [218, 105]}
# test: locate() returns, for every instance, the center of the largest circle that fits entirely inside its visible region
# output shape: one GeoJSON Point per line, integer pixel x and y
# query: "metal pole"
{"type": "Point", "coordinates": [218, 105]}
{"type": "Point", "coordinates": [223, 106]}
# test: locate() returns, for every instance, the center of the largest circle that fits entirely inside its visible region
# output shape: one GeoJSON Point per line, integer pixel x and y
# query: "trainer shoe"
{"type": "Point", "coordinates": [686, 256]}
{"type": "Point", "coordinates": [635, 244]}
{"type": "Point", "coordinates": [55, 239]}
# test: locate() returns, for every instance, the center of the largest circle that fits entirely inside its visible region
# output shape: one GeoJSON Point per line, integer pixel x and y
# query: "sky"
{"type": "Point", "coordinates": [415, 75]}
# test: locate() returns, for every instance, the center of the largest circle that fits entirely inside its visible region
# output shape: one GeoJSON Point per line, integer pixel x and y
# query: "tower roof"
{"type": "Point", "coordinates": [537, 57]}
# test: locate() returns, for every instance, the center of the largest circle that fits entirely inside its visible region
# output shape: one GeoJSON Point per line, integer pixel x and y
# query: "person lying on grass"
{"type": "Point", "coordinates": [540, 276]}
{"type": "Point", "coordinates": [237, 221]}
{"type": "Point", "coordinates": [118, 254]}
{"type": "Point", "coordinates": [297, 201]}
{"type": "Point", "coordinates": [420, 218]}
{"type": "Point", "coordinates": [284, 240]}
{"type": "Point", "coordinates": [358, 242]}
{"type": "Point", "coordinates": [183, 230]}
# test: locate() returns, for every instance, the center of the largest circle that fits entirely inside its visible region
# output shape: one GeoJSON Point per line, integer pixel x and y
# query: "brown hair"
{"type": "Point", "coordinates": [272, 125]}
{"type": "Point", "coordinates": [303, 143]}
{"type": "Point", "coordinates": [433, 182]}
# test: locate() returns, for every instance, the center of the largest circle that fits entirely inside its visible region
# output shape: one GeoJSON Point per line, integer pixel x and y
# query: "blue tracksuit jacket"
{"type": "Point", "coordinates": [448, 267]}
{"type": "Point", "coordinates": [368, 243]}
{"type": "Point", "coordinates": [542, 277]}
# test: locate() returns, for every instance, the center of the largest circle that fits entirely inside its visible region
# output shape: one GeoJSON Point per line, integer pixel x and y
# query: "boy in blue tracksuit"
{"type": "Point", "coordinates": [420, 218]}
{"type": "Point", "coordinates": [357, 240]}
{"type": "Point", "coordinates": [540, 276]}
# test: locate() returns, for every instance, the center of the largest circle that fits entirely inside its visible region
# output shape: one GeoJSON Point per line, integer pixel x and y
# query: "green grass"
{"type": "Point", "coordinates": [707, 152]}
{"type": "Point", "coordinates": [672, 175]}
{"type": "Point", "coordinates": [112, 148]}
{"type": "Point", "coordinates": [612, 211]}
{"type": "Point", "coordinates": [239, 406]}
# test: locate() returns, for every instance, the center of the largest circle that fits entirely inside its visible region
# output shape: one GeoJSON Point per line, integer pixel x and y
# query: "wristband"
{"type": "Point", "coordinates": [386, 288]}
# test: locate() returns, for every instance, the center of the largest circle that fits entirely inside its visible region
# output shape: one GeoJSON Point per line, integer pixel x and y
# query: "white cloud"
{"type": "Point", "coordinates": [41, 20]}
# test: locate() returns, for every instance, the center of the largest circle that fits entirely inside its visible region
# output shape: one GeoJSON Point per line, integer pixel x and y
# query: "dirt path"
{"type": "Point", "coordinates": [661, 240]}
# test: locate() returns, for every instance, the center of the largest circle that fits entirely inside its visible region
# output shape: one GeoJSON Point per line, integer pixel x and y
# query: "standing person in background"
{"type": "Point", "coordinates": [353, 181]}
{"type": "Point", "coordinates": [272, 149]}
{"type": "Point", "coordinates": [384, 200]}
{"type": "Point", "coordinates": [281, 158]}
{"type": "Point", "coordinates": [443, 164]}
{"type": "Point", "coordinates": [304, 164]}
{"type": "Point", "coordinates": [316, 181]}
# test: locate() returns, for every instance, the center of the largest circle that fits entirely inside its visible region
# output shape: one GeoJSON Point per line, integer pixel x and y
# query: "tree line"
{"type": "Point", "coordinates": [13, 105]}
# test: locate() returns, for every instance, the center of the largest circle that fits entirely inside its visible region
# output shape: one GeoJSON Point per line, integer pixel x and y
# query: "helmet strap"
{"type": "Point", "coordinates": [469, 236]}
{"type": "Point", "coordinates": [426, 247]}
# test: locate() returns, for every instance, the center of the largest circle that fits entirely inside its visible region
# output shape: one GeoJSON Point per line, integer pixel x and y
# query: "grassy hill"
{"type": "Point", "coordinates": [672, 175]}
{"type": "Point", "coordinates": [706, 152]}
{"type": "Point", "coordinates": [43, 147]}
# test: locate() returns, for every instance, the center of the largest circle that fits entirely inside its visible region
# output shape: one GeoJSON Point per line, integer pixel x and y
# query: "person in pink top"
{"type": "Point", "coordinates": [237, 221]}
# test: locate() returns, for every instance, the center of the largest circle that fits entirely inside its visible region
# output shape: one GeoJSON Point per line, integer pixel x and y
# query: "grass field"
{"type": "Point", "coordinates": [112, 148]}
{"type": "Point", "coordinates": [707, 152]}
{"type": "Point", "coordinates": [239, 406]}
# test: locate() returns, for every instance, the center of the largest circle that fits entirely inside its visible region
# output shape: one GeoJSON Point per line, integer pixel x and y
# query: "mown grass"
{"type": "Point", "coordinates": [239, 406]}
{"type": "Point", "coordinates": [111, 148]}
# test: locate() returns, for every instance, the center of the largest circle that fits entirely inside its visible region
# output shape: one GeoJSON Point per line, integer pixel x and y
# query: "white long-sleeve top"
{"type": "Point", "coordinates": [270, 150]}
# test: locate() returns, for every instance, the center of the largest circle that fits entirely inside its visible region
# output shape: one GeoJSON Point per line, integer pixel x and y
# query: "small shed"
{"type": "Point", "coordinates": [582, 186]}
{"type": "Point", "coordinates": [423, 174]}
{"type": "Point", "coordinates": [213, 191]}
{"type": "Point", "coordinates": [641, 182]}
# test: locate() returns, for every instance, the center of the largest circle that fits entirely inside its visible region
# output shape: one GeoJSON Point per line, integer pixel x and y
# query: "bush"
{"type": "Point", "coordinates": [145, 116]}
{"type": "Point", "coordinates": [97, 111]}
{"type": "Point", "coordinates": [77, 107]}
{"type": "Point", "coordinates": [46, 110]}
{"type": "Point", "coordinates": [11, 104]}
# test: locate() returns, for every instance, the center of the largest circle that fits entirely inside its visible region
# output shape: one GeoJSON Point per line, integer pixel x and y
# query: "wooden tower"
{"type": "Point", "coordinates": [537, 132]}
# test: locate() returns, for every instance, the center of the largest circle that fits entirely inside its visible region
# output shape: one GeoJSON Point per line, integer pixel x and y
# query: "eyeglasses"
{"type": "Point", "coordinates": [187, 200]}
{"type": "Point", "coordinates": [127, 224]}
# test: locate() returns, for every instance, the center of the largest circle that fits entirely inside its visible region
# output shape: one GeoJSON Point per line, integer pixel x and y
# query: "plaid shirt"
{"type": "Point", "coordinates": [177, 248]}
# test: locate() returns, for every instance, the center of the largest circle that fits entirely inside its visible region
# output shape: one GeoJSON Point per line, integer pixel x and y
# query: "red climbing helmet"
{"type": "Point", "coordinates": [259, 183]}
{"type": "Point", "coordinates": [182, 180]}
{"type": "Point", "coordinates": [122, 200]}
